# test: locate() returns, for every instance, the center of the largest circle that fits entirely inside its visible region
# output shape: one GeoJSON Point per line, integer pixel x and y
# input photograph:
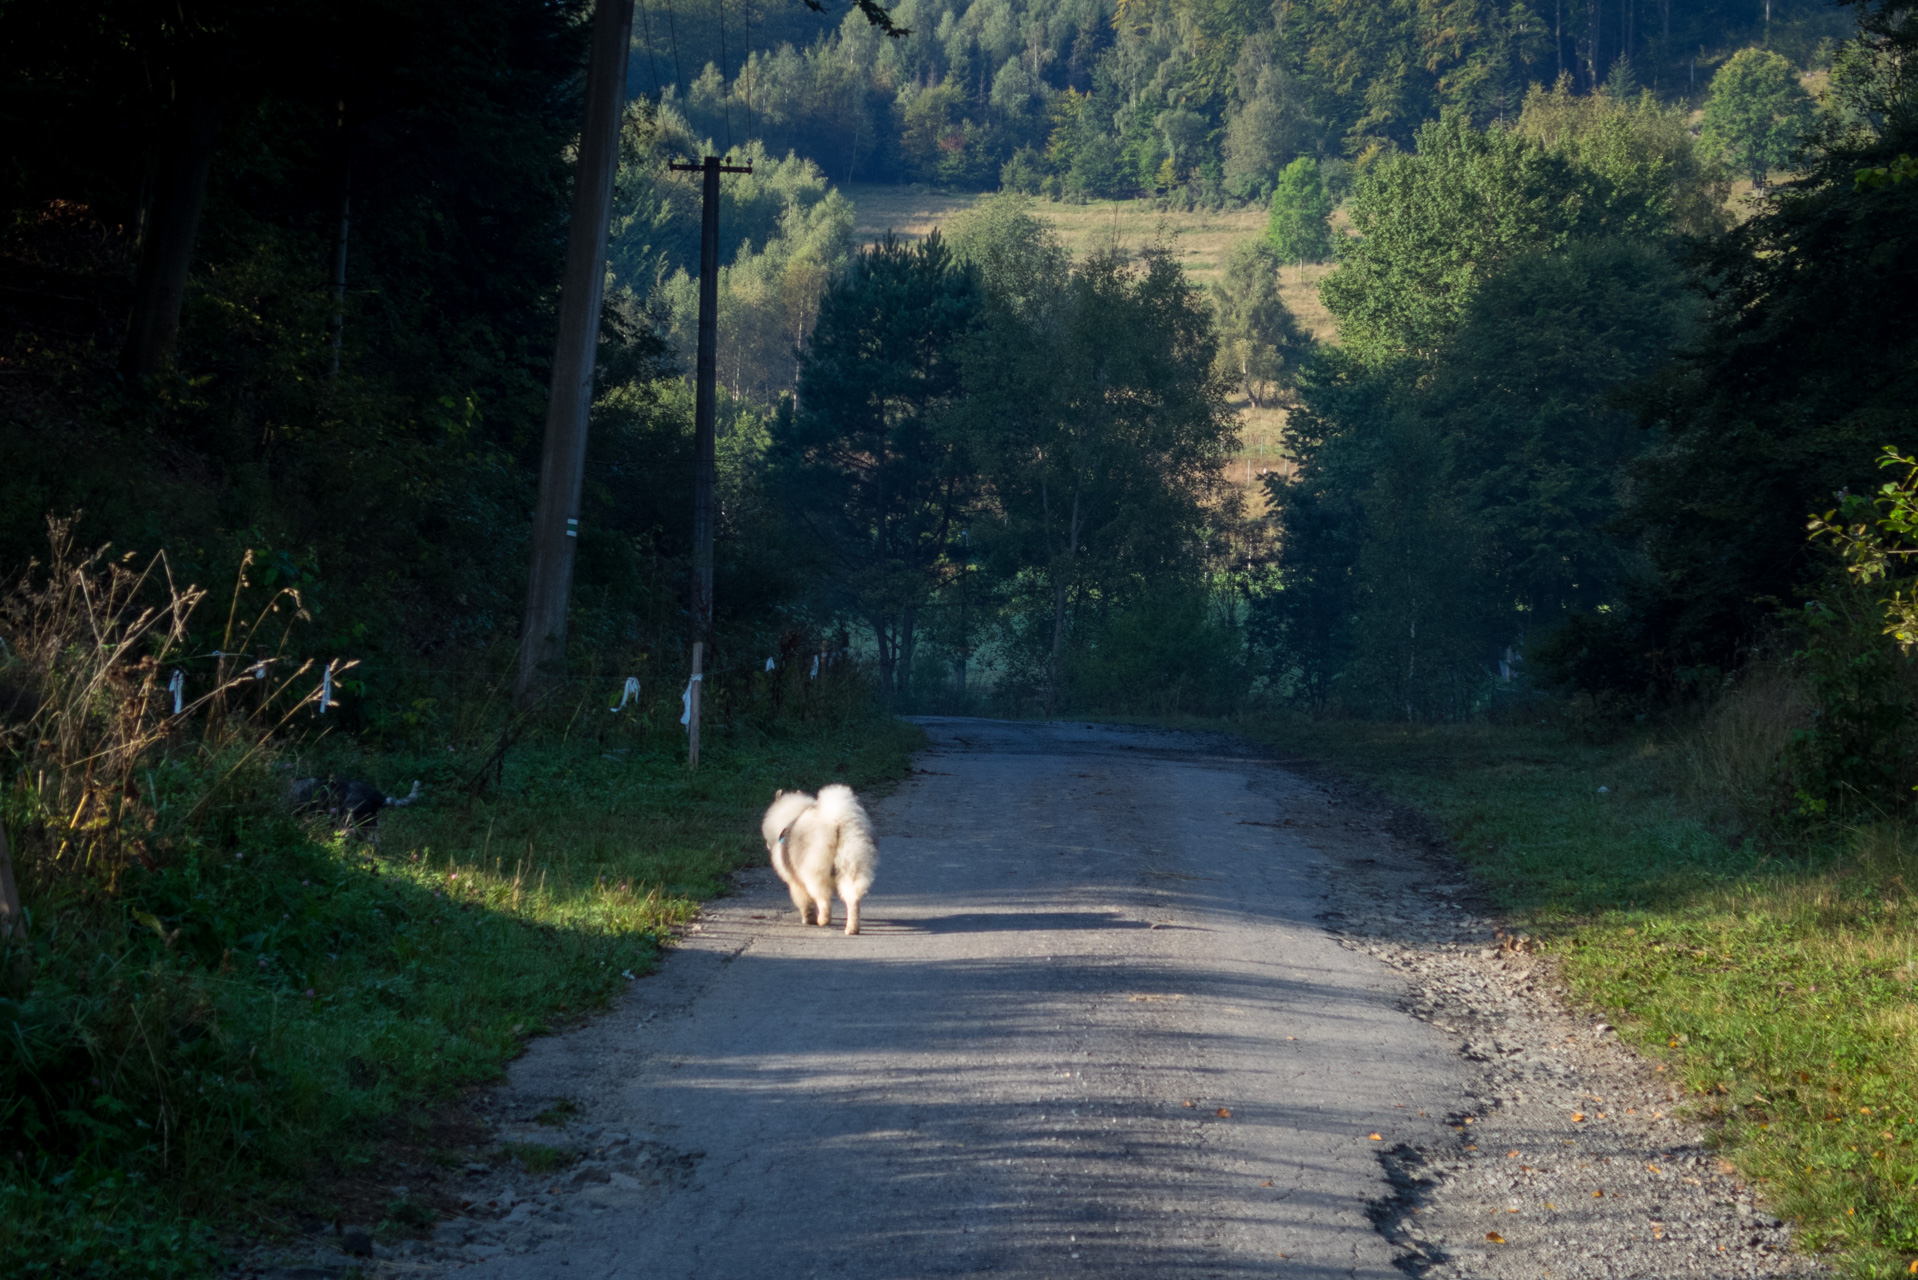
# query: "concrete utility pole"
{"type": "Point", "coordinates": [549, 587]}
{"type": "Point", "coordinates": [705, 375]}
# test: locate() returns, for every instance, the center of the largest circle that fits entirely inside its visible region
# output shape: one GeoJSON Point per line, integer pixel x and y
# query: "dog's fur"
{"type": "Point", "coordinates": [819, 843]}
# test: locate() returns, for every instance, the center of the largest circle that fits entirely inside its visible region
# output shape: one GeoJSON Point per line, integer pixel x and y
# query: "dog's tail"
{"type": "Point", "coordinates": [855, 855]}
{"type": "Point", "coordinates": [411, 797]}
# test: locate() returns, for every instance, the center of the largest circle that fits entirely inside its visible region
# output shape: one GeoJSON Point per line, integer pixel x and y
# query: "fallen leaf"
{"type": "Point", "coordinates": [1224, 1114]}
{"type": "Point", "coordinates": [1577, 1116]}
{"type": "Point", "coordinates": [1375, 1137]}
{"type": "Point", "coordinates": [1598, 1195]}
{"type": "Point", "coordinates": [1511, 1155]}
{"type": "Point", "coordinates": [1188, 1102]}
{"type": "Point", "coordinates": [1654, 1168]}
{"type": "Point", "coordinates": [1266, 1183]}
{"type": "Point", "coordinates": [1495, 1237]}
{"type": "Point", "coordinates": [1550, 1205]}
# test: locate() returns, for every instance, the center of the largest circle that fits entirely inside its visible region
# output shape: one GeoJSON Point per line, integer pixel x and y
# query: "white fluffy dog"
{"type": "Point", "coordinates": [818, 844]}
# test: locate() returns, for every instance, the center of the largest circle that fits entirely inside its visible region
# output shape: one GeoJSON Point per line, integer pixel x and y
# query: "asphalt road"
{"type": "Point", "coordinates": [1092, 1028]}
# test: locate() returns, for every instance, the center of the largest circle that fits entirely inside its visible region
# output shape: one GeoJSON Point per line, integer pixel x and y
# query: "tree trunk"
{"type": "Point", "coordinates": [549, 586]}
{"type": "Point", "coordinates": [13, 923]}
{"type": "Point", "coordinates": [1558, 37]}
{"type": "Point", "coordinates": [1059, 601]}
{"type": "Point", "coordinates": [172, 227]}
{"type": "Point", "coordinates": [339, 265]}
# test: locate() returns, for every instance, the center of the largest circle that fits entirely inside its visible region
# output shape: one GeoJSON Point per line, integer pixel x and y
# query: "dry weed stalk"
{"type": "Point", "coordinates": [1736, 755]}
{"type": "Point", "coordinates": [88, 707]}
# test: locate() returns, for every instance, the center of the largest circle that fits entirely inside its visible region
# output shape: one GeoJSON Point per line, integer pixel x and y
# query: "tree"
{"type": "Point", "coordinates": [1432, 223]}
{"type": "Point", "coordinates": [1260, 343]}
{"type": "Point", "coordinates": [1299, 228]}
{"type": "Point", "coordinates": [873, 464]}
{"type": "Point", "coordinates": [1464, 462]}
{"type": "Point", "coordinates": [1806, 367]}
{"type": "Point", "coordinates": [1756, 113]}
{"type": "Point", "coordinates": [1529, 389]}
{"type": "Point", "coordinates": [1643, 149]}
{"type": "Point", "coordinates": [1101, 436]}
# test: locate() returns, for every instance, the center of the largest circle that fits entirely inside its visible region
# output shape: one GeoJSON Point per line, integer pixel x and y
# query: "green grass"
{"type": "Point", "coordinates": [1774, 978]}
{"type": "Point", "coordinates": [266, 1010]}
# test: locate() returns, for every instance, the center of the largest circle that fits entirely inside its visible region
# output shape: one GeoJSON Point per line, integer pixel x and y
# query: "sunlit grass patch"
{"type": "Point", "coordinates": [237, 1035]}
{"type": "Point", "coordinates": [1773, 978]}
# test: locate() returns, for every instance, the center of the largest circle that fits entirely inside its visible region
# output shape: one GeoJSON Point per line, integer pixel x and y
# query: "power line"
{"type": "Point", "coordinates": [672, 29]}
{"type": "Point", "coordinates": [725, 89]}
{"type": "Point", "coordinates": [646, 26]}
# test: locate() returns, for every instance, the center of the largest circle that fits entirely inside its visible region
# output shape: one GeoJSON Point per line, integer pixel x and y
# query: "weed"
{"type": "Point", "coordinates": [536, 1158]}
{"type": "Point", "coordinates": [561, 1111]}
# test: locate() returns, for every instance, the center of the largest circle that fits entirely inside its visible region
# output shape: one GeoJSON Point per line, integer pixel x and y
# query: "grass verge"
{"type": "Point", "coordinates": [1775, 978]}
{"type": "Point", "coordinates": [257, 1012]}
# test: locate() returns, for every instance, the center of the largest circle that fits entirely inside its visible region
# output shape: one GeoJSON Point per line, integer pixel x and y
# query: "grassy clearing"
{"type": "Point", "coordinates": [218, 1040]}
{"type": "Point", "coordinates": [1776, 978]}
{"type": "Point", "coordinates": [1199, 238]}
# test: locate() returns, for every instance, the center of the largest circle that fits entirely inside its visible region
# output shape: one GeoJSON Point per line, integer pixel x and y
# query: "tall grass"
{"type": "Point", "coordinates": [231, 1010]}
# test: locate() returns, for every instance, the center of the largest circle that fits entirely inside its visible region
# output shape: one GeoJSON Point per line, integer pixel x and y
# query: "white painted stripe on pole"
{"type": "Point", "coordinates": [572, 527]}
{"type": "Point", "coordinates": [686, 700]}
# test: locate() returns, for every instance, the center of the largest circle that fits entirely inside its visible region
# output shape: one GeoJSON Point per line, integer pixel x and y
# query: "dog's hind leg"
{"type": "Point", "coordinates": [852, 914]}
{"type": "Point", "coordinates": [822, 911]}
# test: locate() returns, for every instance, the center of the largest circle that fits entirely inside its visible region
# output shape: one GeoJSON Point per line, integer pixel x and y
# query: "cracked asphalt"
{"type": "Point", "coordinates": [1092, 1027]}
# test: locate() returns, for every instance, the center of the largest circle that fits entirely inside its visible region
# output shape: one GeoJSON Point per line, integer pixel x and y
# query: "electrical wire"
{"type": "Point", "coordinates": [646, 27]}
{"type": "Point", "coordinates": [672, 29]}
{"type": "Point", "coordinates": [725, 88]}
{"type": "Point", "coordinates": [746, 67]}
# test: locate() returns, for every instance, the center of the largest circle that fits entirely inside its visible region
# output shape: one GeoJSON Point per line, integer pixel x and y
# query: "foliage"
{"type": "Point", "coordinates": [1853, 761]}
{"type": "Point", "coordinates": [1201, 101]}
{"type": "Point", "coordinates": [1430, 224]}
{"type": "Point", "coordinates": [1299, 228]}
{"type": "Point", "coordinates": [1857, 658]}
{"type": "Point", "coordinates": [1260, 344]}
{"type": "Point", "coordinates": [1464, 454]}
{"type": "Point", "coordinates": [871, 464]}
{"type": "Point", "coordinates": [1803, 372]}
{"type": "Point", "coordinates": [1644, 150]}
{"type": "Point", "coordinates": [1876, 537]}
{"type": "Point", "coordinates": [1756, 113]}
{"type": "Point", "coordinates": [1097, 426]}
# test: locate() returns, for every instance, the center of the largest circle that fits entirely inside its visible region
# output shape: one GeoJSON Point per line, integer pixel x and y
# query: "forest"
{"type": "Point", "coordinates": [1608, 429]}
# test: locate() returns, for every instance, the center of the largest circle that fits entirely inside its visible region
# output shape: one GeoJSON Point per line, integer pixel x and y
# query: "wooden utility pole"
{"type": "Point", "coordinates": [549, 587]}
{"type": "Point", "coordinates": [705, 375]}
